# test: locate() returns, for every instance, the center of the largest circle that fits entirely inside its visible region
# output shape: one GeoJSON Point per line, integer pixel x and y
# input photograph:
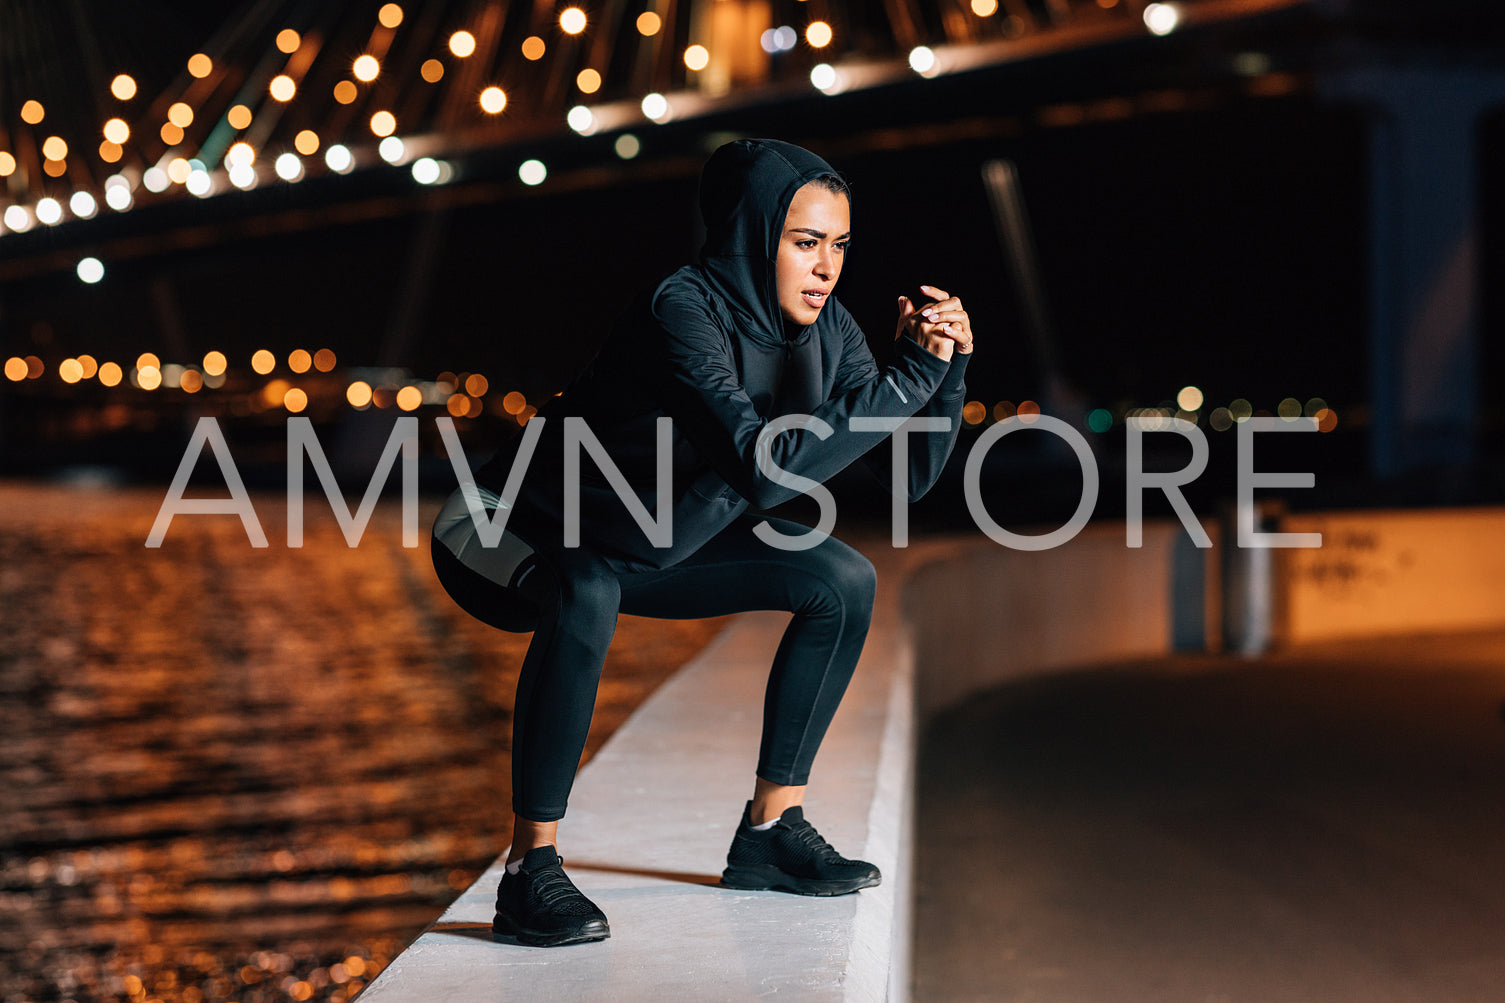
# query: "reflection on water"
{"type": "Point", "coordinates": [244, 774]}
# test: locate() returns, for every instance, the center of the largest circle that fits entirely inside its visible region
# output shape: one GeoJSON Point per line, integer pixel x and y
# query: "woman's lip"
{"type": "Point", "coordinates": [814, 300]}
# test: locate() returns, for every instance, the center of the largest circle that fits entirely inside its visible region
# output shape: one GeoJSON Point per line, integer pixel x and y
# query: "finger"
{"type": "Point", "coordinates": [935, 293]}
{"type": "Point", "coordinates": [945, 316]}
{"type": "Point", "coordinates": [950, 304]}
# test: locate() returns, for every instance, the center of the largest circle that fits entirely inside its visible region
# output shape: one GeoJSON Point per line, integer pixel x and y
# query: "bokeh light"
{"type": "Point", "coordinates": [1189, 399]}
{"type": "Point", "coordinates": [239, 116]}
{"type": "Point", "coordinates": [90, 270]}
{"type": "Point", "coordinates": [974, 412]}
{"type": "Point", "coordinates": [123, 87]}
{"type": "Point", "coordinates": [358, 394]}
{"type": "Point", "coordinates": [984, 8]}
{"type": "Point", "coordinates": [409, 398]}
{"type": "Point", "coordinates": [288, 41]}
{"type": "Point", "coordinates": [263, 362]}
{"type": "Point", "coordinates": [32, 112]}
{"type": "Point", "coordinates": [15, 369]}
{"type": "Point", "coordinates": [533, 48]}
{"type": "Point", "coordinates": [82, 205]}
{"type": "Point", "coordinates": [366, 69]}
{"type": "Point", "coordinates": [588, 80]}
{"type": "Point", "coordinates": [476, 385]}
{"type": "Point", "coordinates": [307, 142]}
{"type": "Point", "coordinates": [1162, 18]}
{"type": "Point", "coordinates": [383, 123]}
{"type": "Point", "coordinates": [200, 65]}
{"type": "Point", "coordinates": [110, 374]}
{"type": "Point", "coordinates": [149, 378]}
{"type": "Point", "coordinates": [697, 57]}
{"type": "Point", "coordinates": [1099, 420]}
{"type": "Point", "coordinates": [282, 87]}
{"type": "Point", "coordinates": [818, 34]}
{"type": "Point", "coordinates": [390, 15]}
{"type": "Point", "coordinates": [493, 100]}
{"type": "Point", "coordinates": [345, 92]}
{"type": "Point", "coordinates": [532, 172]}
{"type": "Point", "coordinates": [215, 363]}
{"type": "Point", "coordinates": [649, 23]}
{"type": "Point", "coordinates": [116, 131]}
{"type": "Point", "coordinates": [432, 71]}
{"type": "Point", "coordinates": [295, 400]}
{"type": "Point", "coordinates": [299, 360]}
{"type": "Point", "coordinates": [627, 146]}
{"type": "Point", "coordinates": [462, 43]}
{"type": "Point", "coordinates": [572, 20]}
{"type": "Point", "coordinates": [324, 360]}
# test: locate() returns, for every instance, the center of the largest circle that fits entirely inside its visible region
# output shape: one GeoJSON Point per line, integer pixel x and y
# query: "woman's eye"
{"type": "Point", "coordinates": [805, 244]}
{"type": "Point", "coordinates": [841, 245]}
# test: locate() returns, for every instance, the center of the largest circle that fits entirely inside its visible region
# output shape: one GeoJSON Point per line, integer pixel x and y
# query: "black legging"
{"type": "Point", "coordinates": [571, 602]}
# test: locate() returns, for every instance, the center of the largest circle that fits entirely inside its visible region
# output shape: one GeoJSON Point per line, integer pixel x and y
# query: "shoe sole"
{"type": "Point", "coordinates": [503, 928]}
{"type": "Point", "coordinates": [766, 877]}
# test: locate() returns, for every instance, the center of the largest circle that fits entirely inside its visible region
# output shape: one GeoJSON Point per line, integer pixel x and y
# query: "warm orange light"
{"type": "Point", "coordinates": [215, 363]}
{"type": "Point", "coordinates": [457, 405]}
{"type": "Point", "coordinates": [200, 65]}
{"type": "Point", "coordinates": [973, 412]}
{"type": "Point", "coordinates": [572, 20]}
{"type": "Point", "coordinates": [390, 15]}
{"type": "Point", "coordinates": [1327, 419]}
{"type": "Point", "coordinates": [110, 152]}
{"type": "Point", "coordinates": [295, 400]}
{"type": "Point", "coordinates": [1002, 410]}
{"type": "Point", "coordinates": [432, 70]}
{"type": "Point", "coordinates": [69, 371]}
{"type": "Point", "coordinates": [275, 392]}
{"type": "Point", "coordinates": [32, 112]}
{"type": "Point", "coordinates": [408, 398]}
{"type": "Point", "coordinates": [324, 360]}
{"type": "Point", "coordinates": [89, 366]}
{"type": "Point", "coordinates": [239, 117]}
{"type": "Point", "coordinates": [54, 168]}
{"type": "Point", "coordinates": [240, 155]}
{"type": "Point", "coordinates": [288, 41]}
{"type": "Point", "coordinates": [148, 360]}
{"type": "Point", "coordinates": [116, 131]}
{"type": "Point", "coordinates": [358, 393]}
{"type": "Point", "coordinates": [984, 8]}
{"type": "Point", "coordinates": [263, 361]}
{"type": "Point", "coordinates": [149, 378]}
{"type": "Point", "coordinates": [818, 34]}
{"type": "Point", "coordinates": [533, 47]}
{"type": "Point", "coordinates": [588, 80]}
{"type": "Point", "coordinates": [110, 374]}
{"type": "Point", "coordinates": [649, 23]}
{"type": "Point", "coordinates": [514, 402]}
{"type": "Point", "coordinates": [191, 382]}
{"type": "Point", "coordinates": [306, 142]}
{"type": "Point", "coordinates": [345, 92]}
{"type": "Point", "coordinates": [383, 123]}
{"type": "Point", "coordinates": [366, 69]}
{"type": "Point", "coordinates": [477, 385]}
{"type": "Point", "coordinates": [493, 100]}
{"type": "Point", "coordinates": [462, 43]}
{"type": "Point", "coordinates": [282, 87]}
{"type": "Point", "coordinates": [53, 148]}
{"type": "Point", "coordinates": [697, 57]}
{"type": "Point", "coordinates": [180, 115]}
{"type": "Point", "coordinates": [179, 169]}
{"type": "Point", "coordinates": [299, 360]}
{"type": "Point", "coordinates": [15, 369]}
{"type": "Point", "coordinates": [1028, 412]}
{"type": "Point", "coordinates": [7, 165]}
{"type": "Point", "coordinates": [123, 87]}
{"type": "Point", "coordinates": [34, 367]}
{"type": "Point", "coordinates": [171, 134]}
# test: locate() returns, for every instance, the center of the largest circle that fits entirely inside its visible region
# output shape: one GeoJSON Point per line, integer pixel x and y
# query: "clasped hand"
{"type": "Point", "coordinates": [941, 327]}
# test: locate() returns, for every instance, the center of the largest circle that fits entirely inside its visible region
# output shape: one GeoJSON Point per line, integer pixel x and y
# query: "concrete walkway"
{"type": "Point", "coordinates": [1322, 824]}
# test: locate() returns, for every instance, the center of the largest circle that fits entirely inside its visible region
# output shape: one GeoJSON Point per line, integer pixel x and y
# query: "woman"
{"type": "Point", "coordinates": [718, 349]}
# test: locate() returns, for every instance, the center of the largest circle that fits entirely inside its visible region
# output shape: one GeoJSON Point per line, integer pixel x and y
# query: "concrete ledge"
{"type": "Point", "coordinates": [652, 815]}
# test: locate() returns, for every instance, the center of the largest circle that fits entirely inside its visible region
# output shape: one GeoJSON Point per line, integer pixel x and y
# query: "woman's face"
{"type": "Point", "coordinates": [810, 253]}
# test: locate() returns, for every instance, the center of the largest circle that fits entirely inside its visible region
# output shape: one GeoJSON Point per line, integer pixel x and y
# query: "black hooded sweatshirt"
{"type": "Point", "coordinates": [709, 348]}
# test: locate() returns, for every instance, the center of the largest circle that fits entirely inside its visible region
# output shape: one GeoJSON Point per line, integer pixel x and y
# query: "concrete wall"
{"type": "Point", "coordinates": [983, 614]}
{"type": "Point", "coordinates": [1392, 572]}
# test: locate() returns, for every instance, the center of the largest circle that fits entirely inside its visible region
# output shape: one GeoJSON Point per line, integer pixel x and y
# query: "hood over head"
{"type": "Point", "coordinates": [745, 191]}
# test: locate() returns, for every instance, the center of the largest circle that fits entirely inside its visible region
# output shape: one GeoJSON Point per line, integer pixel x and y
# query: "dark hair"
{"type": "Point", "coordinates": [833, 183]}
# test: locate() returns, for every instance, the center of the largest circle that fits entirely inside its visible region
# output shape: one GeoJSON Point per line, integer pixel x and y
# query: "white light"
{"type": "Point", "coordinates": [825, 78]}
{"type": "Point", "coordinates": [656, 107]}
{"type": "Point", "coordinates": [155, 179]}
{"type": "Point", "coordinates": [118, 197]}
{"type": "Point", "coordinates": [785, 36]}
{"type": "Point", "coordinates": [392, 150]}
{"type": "Point", "coordinates": [49, 211]}
{"type": "Point", "coordinates": [426, 170]}
{"type": "Point", "coordinates": [18, 218]}
{"type": "Point", "coordinates": [627, 146]}
{"type": "Point", "coordinates": [91, 270]}
{"type": "Point", "coordinates": [339, 159]}
{"type": "Point", "coordinates": [770, 41]}
{"type": "Point", "coordinates": [83, 205]}
{"type": "Point", "coordinates": [1162, 18]}
{"type": "Point", "coordinates": [289, 167]}
{"type": "Point", "coordinates": [532, 172]}
{"type": "Point", "coordinates": [922, 59]}
{"type": "Point", "coordinates": [199, 183]}
{"type": "Point", "coordinates": [240, 153]}
{"type": "Point", "coordinates": [243, 176]}
{"type": "Point", "coordinates": [581, 120]}
{"type": "Point", "coordinates": [117, 181]}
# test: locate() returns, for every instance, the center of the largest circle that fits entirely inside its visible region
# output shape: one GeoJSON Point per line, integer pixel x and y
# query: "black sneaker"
{"type": "Point", "coordinates": [541, 907]}
{"type": "Point", "coordinates": [792, 857]}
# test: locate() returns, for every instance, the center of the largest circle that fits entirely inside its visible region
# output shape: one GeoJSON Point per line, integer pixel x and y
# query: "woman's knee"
{"type": "Point", "coordinates": [843, 580]}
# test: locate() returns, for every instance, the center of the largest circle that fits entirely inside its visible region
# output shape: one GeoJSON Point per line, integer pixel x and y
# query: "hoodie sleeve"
{"type": "Point", "coordinates": [705, 396]}
{"type": "Point", "coordinates": [928, 451]}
